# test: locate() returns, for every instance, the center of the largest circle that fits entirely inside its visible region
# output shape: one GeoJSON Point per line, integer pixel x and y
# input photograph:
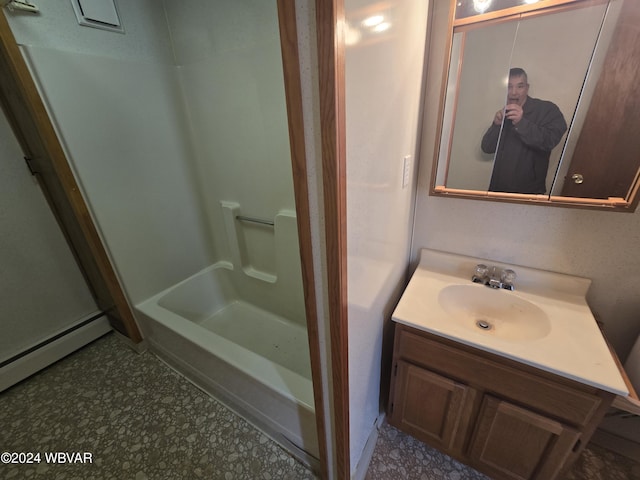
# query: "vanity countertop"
{"type": "Point", "coordinates": [573, 348]}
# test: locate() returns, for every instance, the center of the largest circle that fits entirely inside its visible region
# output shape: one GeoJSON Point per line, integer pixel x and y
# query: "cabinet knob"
{"type": "Point", "coordinates": [577, 178]}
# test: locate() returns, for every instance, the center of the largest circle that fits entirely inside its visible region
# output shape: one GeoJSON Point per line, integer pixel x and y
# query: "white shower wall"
{"type": "Point", "coordinates": [230, 69]}
{"type": "Point", "coordinates": [115, 102]}
{"type": "Point", "coordinates": [131, 161]}
{"type": "Point", "coordinates": [151, 130]}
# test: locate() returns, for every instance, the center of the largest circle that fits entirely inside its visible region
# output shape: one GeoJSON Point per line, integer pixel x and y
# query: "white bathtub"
{"type": "Point", "coordinates": [255, 362]}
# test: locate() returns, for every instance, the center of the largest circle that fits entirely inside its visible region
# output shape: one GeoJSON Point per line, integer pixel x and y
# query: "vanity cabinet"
{"type": "Point", "coordinates": [504, 418]}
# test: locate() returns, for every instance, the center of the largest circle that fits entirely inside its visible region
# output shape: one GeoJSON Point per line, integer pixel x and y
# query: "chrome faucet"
{"type": "Point", "coordinates": [494, 277]}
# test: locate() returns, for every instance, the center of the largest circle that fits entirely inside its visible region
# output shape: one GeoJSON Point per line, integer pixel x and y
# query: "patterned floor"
{"type": "Point", "coordinates": [400, 456]}
{"type": "Point", "coordinates": [139, 420]}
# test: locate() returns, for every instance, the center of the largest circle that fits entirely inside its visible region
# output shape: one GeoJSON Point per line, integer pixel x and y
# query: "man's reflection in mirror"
{"type": "Point", "coordinates": [527, 129]}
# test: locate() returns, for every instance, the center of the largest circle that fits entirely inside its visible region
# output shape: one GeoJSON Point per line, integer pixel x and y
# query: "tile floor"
{"type": "Point", "coordinates": [140, 420]}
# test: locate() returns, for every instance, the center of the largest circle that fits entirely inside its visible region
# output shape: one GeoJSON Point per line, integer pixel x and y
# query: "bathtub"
{"type": "Point", "coordinates": [252, 360]}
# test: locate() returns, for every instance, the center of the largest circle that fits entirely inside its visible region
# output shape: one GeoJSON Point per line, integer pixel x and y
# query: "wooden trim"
{"type": "Point", "coordinates": [631, 402]}
{"type": "Point", "coordinates": [602, 202]}
{"type": "Point", "coordinates": [517, 13]}
{"type": "Point", "coordinates": [633, 197]}
{"type": "Point", "coordinates": [506, 12]}
{"type": "Point", "coordinates": [612, 203]}
{"type": "Point", "coordinates": [633, 189]}
{"type": "Point", "coordinates": [35, 132]}
{"type": "Point", "coordinates": [443, 85]}
{"type": "Point", "coordinates": [482, 193]}
{"type": "Point", "coordinates": [329, 23]}
{"type": "Point", "coordinates": [293, 93]}
{"type": "Point", "coordinates": [627, 404]}
{"type": "Point", "coordinates": [490, 22]}
{"type": "Point", "coordinates": [563, 7]}
{"type": "Point", "coordinates": [456, 101]}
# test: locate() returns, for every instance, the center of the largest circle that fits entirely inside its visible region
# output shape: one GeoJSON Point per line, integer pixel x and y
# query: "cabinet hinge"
{"type": "Point", "coordinates": [395, 369]}
{"type": "Point", "coordinates": [29, 163]}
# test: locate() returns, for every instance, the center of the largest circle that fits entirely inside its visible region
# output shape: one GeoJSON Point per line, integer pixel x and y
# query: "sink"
{"type": "Point", "coordinates": [545, 322]}
{"type": "Point", "coordinates": [498, 313]}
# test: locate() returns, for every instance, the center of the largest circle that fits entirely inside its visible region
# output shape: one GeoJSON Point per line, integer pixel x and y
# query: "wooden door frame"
{"type": "Point", "coordinates": [295, 119]}
{"type": "Point", "coordinates": [330, 19]}
{"type": "Point", "coordinates": [331, 72]}
{"type": "Point", "coordinates": [30, 122]}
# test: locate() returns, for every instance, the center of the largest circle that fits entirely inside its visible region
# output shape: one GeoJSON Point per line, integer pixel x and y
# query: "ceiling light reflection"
{"type": "Point", "coordinates": [373, 21]}
{"type": "Point", "coordinates": [382, 27]}
{"type": "Point", "coordinates": [481, 5]}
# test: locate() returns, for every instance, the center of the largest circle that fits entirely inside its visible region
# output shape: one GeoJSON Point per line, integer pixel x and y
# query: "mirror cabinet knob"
{"type": "Point", "coordinates": [577, 178]}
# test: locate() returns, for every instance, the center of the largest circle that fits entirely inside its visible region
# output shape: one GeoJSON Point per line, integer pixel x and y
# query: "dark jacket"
{"type": "Point", "coordinates": [522, 158]}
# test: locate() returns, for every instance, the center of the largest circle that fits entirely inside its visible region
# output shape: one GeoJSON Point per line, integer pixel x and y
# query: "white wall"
{"type": "Point", "coordinates": [43, 290]}
{"type": "Point", "coordinates": [593, 244]}
{"type": "Point", "coordinates": [145, 37]}
{"type": "Point", "coordinates": [115, 101]}
{"type": "Point", "coordinates": [383, 78]}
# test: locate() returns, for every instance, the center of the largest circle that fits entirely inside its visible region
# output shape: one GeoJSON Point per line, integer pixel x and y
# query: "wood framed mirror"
{"type": "Point", "coordinates": [572, 142]}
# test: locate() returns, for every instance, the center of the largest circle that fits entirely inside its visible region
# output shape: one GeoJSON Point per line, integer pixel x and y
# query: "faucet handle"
{"type": "Point", "coordinates": [481, 270]}
{"type": "Point", "coordinates": [480, 273]}
{"type": "Point", "coordinates": [508, 276]}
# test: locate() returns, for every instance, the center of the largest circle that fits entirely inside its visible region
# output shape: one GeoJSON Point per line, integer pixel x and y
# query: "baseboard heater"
{"type": "Point", "coordinates": [43, 354]}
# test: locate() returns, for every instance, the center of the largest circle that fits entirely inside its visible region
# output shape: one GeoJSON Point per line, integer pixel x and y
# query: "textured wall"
{"type": "Point", "coordinates": [383, 78]}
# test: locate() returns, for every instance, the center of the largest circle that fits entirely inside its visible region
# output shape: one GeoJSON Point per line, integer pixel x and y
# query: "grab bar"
{"type": "Point", "coordinates": [254, 220]}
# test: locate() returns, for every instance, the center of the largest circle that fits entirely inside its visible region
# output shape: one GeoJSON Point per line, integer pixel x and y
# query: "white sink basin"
{"type": "Point", "coordinates": [500, 313]}
{"type": "Point", "coordinates": [545, 322]}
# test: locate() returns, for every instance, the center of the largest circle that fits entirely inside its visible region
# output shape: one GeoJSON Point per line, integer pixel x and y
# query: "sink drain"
{"type": "Point", "coordinates": [483, 324]}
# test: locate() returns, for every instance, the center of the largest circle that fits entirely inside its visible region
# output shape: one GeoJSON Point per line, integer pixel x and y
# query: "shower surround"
{"type": "Point", "coordinates": [175, 129]}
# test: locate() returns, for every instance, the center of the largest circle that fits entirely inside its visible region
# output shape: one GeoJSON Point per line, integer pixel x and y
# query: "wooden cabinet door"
{"type": "Point", "coordinates": [511, 442]}
{"type": "Point", "coordinates": [430, 407]}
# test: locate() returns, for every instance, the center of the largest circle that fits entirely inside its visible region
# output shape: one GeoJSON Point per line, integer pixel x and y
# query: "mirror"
{"type": "Point", "coordinates": [541, 140]}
